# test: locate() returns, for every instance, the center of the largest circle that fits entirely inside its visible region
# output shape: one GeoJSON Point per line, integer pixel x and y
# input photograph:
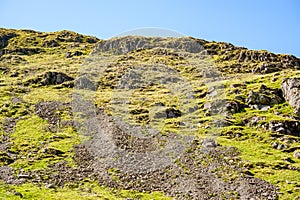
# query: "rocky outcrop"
{"type": "Point", "coordinates": [128, 44]}
{"type": "Point", "coordinates": [4, 37]}
{"type": "Point", "coordinates": [264, 98]}
{"type": "Point", "coordinates": [291, 93]}
{"type": "Point", "coordinates": [267, 67]}
{"type": "Point", "coordinates": [55, 78]}
{"type": "Point", "coordinates": [50, 43]}
{"type": "Point", "coordinates": [287, 127]}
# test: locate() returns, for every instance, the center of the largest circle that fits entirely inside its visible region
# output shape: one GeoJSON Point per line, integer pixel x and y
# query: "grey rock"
{"type": "Point", "coordinates": [281, 146]}
{"type": "Point", "coordinates": [209, 143]}
{"type": "Point", "coordinates": [265, 108]}
{"type": "Point", "coordinates": [275, 145]}
{"type": "Point", "coordinates": [297, 154]}
{"type": "Point", "coordinates": [291, 93]}
{"type": "Point", "coordinates": [50, 185]}
{"type": "Point", "coordinates": [222, 106]}
{"type": "Point", "coordinates": [288, 127]}
{"type": "Point", "coordinates": [127, 44]}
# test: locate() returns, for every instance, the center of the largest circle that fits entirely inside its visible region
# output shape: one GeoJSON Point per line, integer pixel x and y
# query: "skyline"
{"type": "Point", "coordinates": [260, 25]}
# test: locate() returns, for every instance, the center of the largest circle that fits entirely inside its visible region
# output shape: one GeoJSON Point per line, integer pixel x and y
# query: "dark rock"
{"type": "Point", "coordinates": [291, 93]}
{"type": "Point", "coordinates": [15, 74]}
{"type": "Point", "coordinates": [72, 54]}
{"type": "Point", "coordinates": [238, 85]}
{"type": "Point", "coordinates": [233, 107]}
{"type": "Point", "coordinates": [289, 160]}
{"type": "Point", "coordinates": [54, 78]}
{"type": "Point", "coordinates": [6, 158]}
{"type": "Point", "coordinates": [215, 107]}
{"type": "Point", "coordinates": [288, 127]}
{"type": "Point", "coordinates": [18, 194]}
{"type": "Point", "coordinates": [4, 38]}
{"type": "Point", "coordinates": [50, 43]}
{"type": "Point", "coordinates": [69, 36]}
{"type": "Point", "coordinates": [255, 98]}
{"type": "Point", "coordinates": [168, 113]}
{"type": "Point", "coordinates": [7, 175]}
{"type": "Point", "coordinates": [92, 40]}
{"type": "Point", "coordinates": [52, 151]}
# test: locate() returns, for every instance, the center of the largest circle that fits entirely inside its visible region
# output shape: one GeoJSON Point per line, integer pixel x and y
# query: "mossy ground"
{"type": "Point", "coordinates": [31, 135]}
{"type": "Point", "coordinates": [85, 190]}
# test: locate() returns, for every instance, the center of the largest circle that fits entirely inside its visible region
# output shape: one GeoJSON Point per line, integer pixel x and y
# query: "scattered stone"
{"type": "Point", "coordinates": [287, 127]}
{"type": "Point", "coordinates": [47, 111]}
{"type": "Point", "coordinates": [7, 175]}
{"type": "Point", "coordinates": [296, 154]}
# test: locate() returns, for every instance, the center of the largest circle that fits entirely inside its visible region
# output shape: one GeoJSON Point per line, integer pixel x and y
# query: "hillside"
{"type": "Point", "coordinates": [146, 118]}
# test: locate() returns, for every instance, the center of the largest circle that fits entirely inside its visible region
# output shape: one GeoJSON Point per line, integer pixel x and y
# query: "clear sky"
{"type": "Point", "coordinates": [273, 25]}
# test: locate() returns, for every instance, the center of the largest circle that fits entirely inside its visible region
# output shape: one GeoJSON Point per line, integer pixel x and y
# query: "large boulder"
{"type": "Point", "coordinates": [291, 93]}
{"type": "Point", "coordinates": [55, 78]}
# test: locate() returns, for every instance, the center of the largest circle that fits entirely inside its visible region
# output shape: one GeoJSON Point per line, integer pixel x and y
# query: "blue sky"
{"type": "Point", "coordinates": [273, 25]}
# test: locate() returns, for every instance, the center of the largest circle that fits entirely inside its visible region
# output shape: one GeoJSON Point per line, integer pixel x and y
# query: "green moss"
{"type": "Point", "coordinates": [37, 148]}
{"type": "Point", "coordinates": [85, 190]}
{"type": "Point", "coordinates": [48, 94]}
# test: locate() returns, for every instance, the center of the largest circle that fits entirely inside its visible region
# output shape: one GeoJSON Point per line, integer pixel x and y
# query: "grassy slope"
{"type": "Point", "coordinates": [31, 136]}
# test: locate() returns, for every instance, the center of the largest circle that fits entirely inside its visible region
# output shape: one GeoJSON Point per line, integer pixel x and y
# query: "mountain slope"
{"type": "Point", "coordinates": [145, 117]}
